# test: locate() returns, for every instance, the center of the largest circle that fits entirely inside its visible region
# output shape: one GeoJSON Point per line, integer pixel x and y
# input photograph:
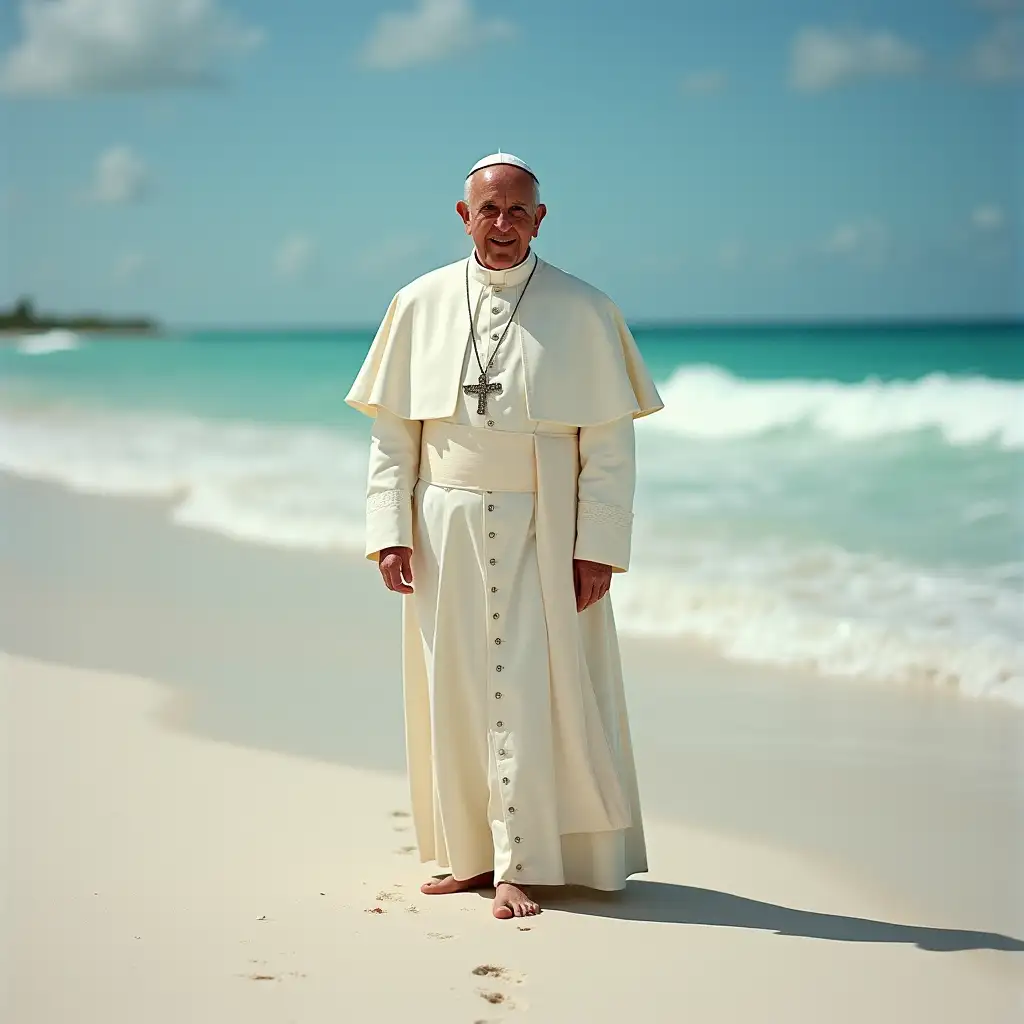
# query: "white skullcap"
{"type": "Point", "coordinates": [495, 159]}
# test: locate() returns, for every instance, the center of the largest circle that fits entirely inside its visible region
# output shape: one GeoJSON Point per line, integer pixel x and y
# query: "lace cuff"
{"type": "Point", "coordinates": [387, 499]}
{"type": "Point", "coordinates": [599, 512]}
{"type": "Point", "coordinates": [388, 521]}
{"type": "Point", "coordinates": [603, 534]}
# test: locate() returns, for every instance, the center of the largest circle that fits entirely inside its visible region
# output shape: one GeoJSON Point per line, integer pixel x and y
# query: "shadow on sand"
{"type": "Point", "coordinates": [684, 904]}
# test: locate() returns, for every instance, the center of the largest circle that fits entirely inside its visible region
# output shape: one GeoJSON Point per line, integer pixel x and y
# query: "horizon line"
{"type": "Point", "coordinates": [658, 323]}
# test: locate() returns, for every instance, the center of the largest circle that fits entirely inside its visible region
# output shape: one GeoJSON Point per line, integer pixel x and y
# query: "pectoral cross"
{"type": "Point", "coordinates": [482, 390]}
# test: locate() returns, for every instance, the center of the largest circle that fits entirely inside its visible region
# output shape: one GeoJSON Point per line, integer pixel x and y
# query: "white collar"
{"type": "Point", "coordinates": [510, 278]}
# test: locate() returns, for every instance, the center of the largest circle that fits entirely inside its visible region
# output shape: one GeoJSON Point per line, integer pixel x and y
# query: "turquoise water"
{"type": "Point", "coordinates": [844, 498]}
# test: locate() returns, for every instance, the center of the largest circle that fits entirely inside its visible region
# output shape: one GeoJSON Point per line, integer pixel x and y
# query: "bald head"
{"type": "Point", "coordinates": [502, 212]}
{"type": "Point", "coordinates": [517, 174]}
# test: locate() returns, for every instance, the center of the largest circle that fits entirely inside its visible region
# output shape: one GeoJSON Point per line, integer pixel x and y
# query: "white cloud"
{"type": "Point", "coordinates": [393, 252]}
{"type": "Point", "coordinates": [988, 217]}
{"type": "Point", "coordinates": [121, 176]}
{"type": "Point", "coordinates": [999, 55]}
{"type": "Point", "coordinates": [130, 267]}
{"type": "Point", "coordinates": [703, 83]}
{"type": "Point", "coordinates": [730, 255]}
{"type": "Point", "coordinates": [865, 241]}
{"type": "Point", "coordinates": [295, 256]}
{"type": "Point", "coordinates": [71, 46]}
{"type": "Point", "coordinates": [821, 59]}
{"type": "Point", "coordinates": [435, 30]}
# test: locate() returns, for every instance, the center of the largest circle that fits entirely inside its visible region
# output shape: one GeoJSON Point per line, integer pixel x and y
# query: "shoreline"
{"type": "Point", "coordinates": [273, 649]}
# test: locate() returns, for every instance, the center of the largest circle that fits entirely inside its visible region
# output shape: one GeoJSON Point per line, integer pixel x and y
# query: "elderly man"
{"type": "Point", "coordinates": [499, 503]}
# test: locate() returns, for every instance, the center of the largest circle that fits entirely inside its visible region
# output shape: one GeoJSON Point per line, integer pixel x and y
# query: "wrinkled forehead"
{"type": "Point", "coordinates": [502, 184]}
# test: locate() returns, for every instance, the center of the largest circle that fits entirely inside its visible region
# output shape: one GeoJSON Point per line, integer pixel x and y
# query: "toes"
{"type": "Point", "coordinates": [503, 913]}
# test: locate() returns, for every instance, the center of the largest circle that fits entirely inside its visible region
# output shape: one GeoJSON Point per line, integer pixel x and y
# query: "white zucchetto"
{"type": "Point", "coordinates": [495, 159]}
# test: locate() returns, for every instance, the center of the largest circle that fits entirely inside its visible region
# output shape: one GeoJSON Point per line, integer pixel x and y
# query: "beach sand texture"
{"type": "Point", "coordinates": [207, 816]}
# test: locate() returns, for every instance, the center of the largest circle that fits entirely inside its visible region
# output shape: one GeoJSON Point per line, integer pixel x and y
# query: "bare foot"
{"type": "Point", "coordinates": [451, 884]}
{"type": "Point", "coordinates": [511, 901]}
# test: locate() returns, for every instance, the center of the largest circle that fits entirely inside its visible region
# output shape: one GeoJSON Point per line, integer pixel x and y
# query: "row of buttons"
{"type": "Point", "coordinates": [499, 723]}
{"type": "Point", "coordinates": [495, 336]}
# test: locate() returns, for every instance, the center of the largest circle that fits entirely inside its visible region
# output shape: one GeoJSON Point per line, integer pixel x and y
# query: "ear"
{"type": "Point", "coordinates": [541, 213]}
{"type": "Point", "coordinates": [463, 211]}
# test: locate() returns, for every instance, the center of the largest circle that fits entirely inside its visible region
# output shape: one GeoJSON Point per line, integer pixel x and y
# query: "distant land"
{"type": "Point", "coordinates": [22, 318]}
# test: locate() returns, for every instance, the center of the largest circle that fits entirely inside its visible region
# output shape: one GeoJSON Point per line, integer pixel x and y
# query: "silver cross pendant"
{"type": "Point", "coordinates": [482, 390]}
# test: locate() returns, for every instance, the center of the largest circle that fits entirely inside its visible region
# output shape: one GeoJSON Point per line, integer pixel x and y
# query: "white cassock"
{"type": "Point", "coordinates": [517, 736]}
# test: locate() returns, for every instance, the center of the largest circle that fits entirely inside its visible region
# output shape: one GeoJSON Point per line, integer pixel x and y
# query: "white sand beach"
{"type": "Point", "coordinates": [207, 823]}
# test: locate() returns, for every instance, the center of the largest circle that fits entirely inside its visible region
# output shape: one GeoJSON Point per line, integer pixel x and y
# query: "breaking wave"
{"type": "Point", "coordinates": [707, 402]}
{"type": "Point", "coordinates": [57, 340]}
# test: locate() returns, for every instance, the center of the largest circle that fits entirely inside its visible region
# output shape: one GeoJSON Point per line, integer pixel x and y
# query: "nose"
{"type": "Point", "coordinates": [502, 223]}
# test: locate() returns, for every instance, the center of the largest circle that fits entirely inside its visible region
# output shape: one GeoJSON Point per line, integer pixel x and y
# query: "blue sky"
{"type": "Point", "coordinates": [255, 162]}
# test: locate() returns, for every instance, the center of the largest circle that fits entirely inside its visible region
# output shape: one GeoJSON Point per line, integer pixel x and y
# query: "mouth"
{"type": "Point", "coordinates": [502, 243]}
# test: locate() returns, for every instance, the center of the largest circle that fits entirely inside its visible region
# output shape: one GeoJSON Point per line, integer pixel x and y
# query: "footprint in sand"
{"type": "Point", "coordinates": [390, 897]}
{"type": "Point", "coordinates": [406, 849]}
{"type": "Point", "coordinates": [400, 814]}
{"type": "Point", "coordinates": [496, 998]}
{"type": "Point", "coordinates": [439, 935]}
{"type": "Point", "coordinates": [274, 977]}
{"type": "Point", "coordinates": [501, 973]}
{"type": "Point", "coordinates": [497, 973]}
{"type": "Point", "coordinates": [490, 971]}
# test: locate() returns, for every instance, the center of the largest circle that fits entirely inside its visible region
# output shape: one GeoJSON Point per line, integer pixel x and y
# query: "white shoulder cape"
{"type": "Point", "coordinates": [582, 364]}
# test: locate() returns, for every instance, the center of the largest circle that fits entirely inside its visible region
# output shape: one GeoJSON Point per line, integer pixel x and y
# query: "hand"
{"type": "Point", "coordinates": [395, 566]}
{"type": "Point", "coordinates": [592, 580]}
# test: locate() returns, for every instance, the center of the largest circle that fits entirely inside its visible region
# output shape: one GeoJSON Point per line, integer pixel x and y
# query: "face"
{"type": "Point", "coordinates": [502, 215]}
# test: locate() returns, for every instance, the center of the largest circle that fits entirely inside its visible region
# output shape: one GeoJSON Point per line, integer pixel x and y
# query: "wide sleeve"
{"type": "Point", "coordinates": [607, 480]}
{"type": "Point", "coordinates": [394, 468]}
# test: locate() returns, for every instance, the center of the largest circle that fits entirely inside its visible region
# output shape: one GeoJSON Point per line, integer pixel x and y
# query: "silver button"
{"type": "Point", "coordinates": [501, 753]}
{"type": "Point", "coordinates": [494, 561]}
{"type": "Point", "coordinates": [492, 535]}
{"type": "Point", "coordinates": [511, 810]}
{"type": "Point", "coordinates": [494, 590]}
{"type": "Point", "coordinates": [496, 309]}
{"type": "Point", "coordinates": [497, 639]}
{"type": "Point", "coordinates": [497, 695]}
{"type": "Point", "coordinates": [497, 287]}
{"type": "Point", "coordinates": [490, 423]}
{"type": "Point", "coordinates": [505, 780]}
{"type": "Point", "coordinates": [495, 616]}
{"type": "Point", "coordinates": [518, 840]}
{"type": "Point", "coordinates": [495, 336]}
{"type": "Point", "coordinates": [490, 508]}
{"type": "Point", "coordinates": [498, 668]}
{"type": "Point", "coordinates": [519, 867]}
{"type": "Point", "coordinates": [499, 724]}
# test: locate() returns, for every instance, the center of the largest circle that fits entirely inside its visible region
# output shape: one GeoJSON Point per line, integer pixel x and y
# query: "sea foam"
{"type": "Point", "coordinates": [57, 340]}
{"type": "Point", "coordinates": [708, 402]}
{"type": "Point", "coordinates": [749, 593]}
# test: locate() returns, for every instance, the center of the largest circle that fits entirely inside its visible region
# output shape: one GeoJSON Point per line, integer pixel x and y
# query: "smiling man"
{"type": "Point", "coordinates": [499, 503]}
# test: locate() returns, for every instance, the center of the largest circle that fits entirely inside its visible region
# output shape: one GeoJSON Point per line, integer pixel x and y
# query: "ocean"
{"type": "Point", "coordinates": [845, 499]}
